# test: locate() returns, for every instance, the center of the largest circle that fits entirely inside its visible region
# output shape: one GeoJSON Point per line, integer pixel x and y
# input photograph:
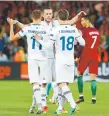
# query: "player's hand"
{"type": "Point", "coordinates": [82, 13]}
{"type": "Point", "coordinates": [15, 21]}
{"type": "Point", "coordinates": [37, 37]}
{"type": "Point", "coordinates": [10, 21]}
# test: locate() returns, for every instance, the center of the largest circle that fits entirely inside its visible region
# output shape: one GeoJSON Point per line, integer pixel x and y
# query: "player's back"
{"type": "Point", "coordinates": [92, 38]}
{"type": "Point", "coordinates": [65, 44]}
{"type": "Point", "coordinates": [35, 50]}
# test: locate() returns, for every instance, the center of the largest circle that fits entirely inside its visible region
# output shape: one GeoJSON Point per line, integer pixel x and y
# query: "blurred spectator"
{"type": "Point", "coordinates": [3, 57]}
{"type": "Point", "coordinates": [107, 44]}
{"type": "Point", "coordinates": [99, 14]}
{"type": "Point", "coordinates": [1, 39]}
{"type": "Point", "coordinates": [20, 55]}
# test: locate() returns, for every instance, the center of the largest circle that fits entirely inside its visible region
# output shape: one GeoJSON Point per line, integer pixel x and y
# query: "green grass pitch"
{"type": "Point", "coordinates": [16, 97]}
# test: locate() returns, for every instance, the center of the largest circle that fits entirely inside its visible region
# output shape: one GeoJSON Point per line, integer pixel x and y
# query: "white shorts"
{"type": "Point", "coordinates": [50, 71]}
{"type": "Point", "coordinates": [36, 70]}
{"type": "Point", "coordinates": [64, 73]}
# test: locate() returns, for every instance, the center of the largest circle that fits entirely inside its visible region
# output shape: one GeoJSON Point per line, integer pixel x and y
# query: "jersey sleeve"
{"type": "Point", "coordinates": [83, 32]}
{"type": "Point", "coordinates": [55, 23]}
{"type": "Point", "coordinates": [78, 36]}
{"type": "Point", "coordinates": [23, 32]}
{"type": "Point", "coordinates": [77, 33]}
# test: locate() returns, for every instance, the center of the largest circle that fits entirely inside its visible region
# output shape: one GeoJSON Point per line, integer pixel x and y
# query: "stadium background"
{"type": "Point", "coordinates": [12, 54]}
{"type": "Point", "coordinates": [16, 96]}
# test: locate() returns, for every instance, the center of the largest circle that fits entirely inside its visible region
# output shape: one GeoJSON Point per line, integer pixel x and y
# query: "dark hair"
{"type": "Point", "coordinates": [87, 17]}
{"type": "Point", "coordinates": [46, 8]}
{"type": "Point", "coordinates": [63, 14]}
{"type": "Point", "coordinates": [36, 14]}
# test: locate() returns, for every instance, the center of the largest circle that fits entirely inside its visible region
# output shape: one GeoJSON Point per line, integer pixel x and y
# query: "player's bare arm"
{"type": "Point", "coordinates": [76, 18]}
{"type": "Point", "coordinates": [20, 25]}
{"type": "Point", "coordinates": [12, 35]}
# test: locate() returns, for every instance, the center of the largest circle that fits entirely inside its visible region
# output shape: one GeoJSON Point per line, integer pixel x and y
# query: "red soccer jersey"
{"type": "Point", "coordinates": [89, 57]}
{"type": "Point", "coordinates": [92, 38]}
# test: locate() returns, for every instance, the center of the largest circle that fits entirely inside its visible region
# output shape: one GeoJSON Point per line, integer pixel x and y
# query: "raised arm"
{"type": "Point", "coordinates": [12, 35]}
{"type": "Point", "coordinates": [76, 18]}
{"type": "Point", "coordinates": [20, 25]}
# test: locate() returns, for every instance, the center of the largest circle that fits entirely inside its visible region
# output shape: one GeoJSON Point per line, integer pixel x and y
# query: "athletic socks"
{"type": "Point", "coordinates": [63, 100]}
{"type": "Point", "coordinates": [55, 92]}
{"type": "Point", "coordinates": [48, 87]}
{"type": "Point", "coordinates": [59, 98]}
{"type": "Point", "coordinates": [37, 95]}
{"type": "Point", "coordinates": [33, 105]}
{"type": "Point", "coordinates": [93, 87]}
{"type": "Point", "coordinates": [68, 95]}
{"type": "Point", "coordinates": [80, 84]}
{"type": "Point", "coordinates": [43, 96]}
{"type": "Point", "coordinates": [33, 102]}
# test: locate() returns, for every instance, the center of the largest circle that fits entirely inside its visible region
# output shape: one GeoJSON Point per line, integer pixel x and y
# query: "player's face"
{"type": "Point", "coordinates": [85, 23]}
{"type": "Point", "coordinates": [48, 14]}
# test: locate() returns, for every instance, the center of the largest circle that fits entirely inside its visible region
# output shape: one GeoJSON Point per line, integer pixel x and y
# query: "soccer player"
{"type": "Point", "coordinates": [63, 36]}
{"type": "Point", "coordinates": [48, 24]}
{"type": "Point", "coordinates": [89, 57]}
{"type": "Point", "coordinates": [36, 54]}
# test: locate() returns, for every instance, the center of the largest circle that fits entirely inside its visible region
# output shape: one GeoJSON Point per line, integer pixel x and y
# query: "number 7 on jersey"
{"type": "Point", "coordinates": [95, 38]}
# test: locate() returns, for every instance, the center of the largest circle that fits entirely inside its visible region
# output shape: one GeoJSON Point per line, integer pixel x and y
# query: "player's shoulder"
{"type": "Point", "coordinates": [73, 27]}
{"type": "Point", "coordinates": [34, 26]}
{"type": "Point", "coordinates": [55, 29]}
{"type": "Point", "coordinates": [25, 29]}
{"type": "Point", "coordinates": [42, 22]}
{"type": "Point", "coordinates": [75, 30]}
{"type": "Point", "coordinates": [93, 30]}
{"type": "Point", "coordinates": [28, 26]}
{"type": "Point", "coordinates": [55, 21]}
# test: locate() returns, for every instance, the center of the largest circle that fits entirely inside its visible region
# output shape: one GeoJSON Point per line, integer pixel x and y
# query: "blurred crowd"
{"type": "Point", "coordinates": [21, 11]}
